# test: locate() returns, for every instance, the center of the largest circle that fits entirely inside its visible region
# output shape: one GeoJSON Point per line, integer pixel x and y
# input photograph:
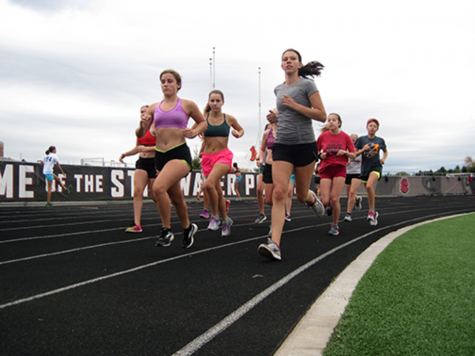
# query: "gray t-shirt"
{"type": "Point", "coordinates": [293, 127]}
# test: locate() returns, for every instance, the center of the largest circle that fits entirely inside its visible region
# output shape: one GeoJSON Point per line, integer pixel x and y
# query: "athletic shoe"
{"type": "Point", "coordinates": [374, 222]}
{"type": "Point", "coordinates": [358, 203]}
{"type": "Point", "coordinates": [270, 230]}
{"type": "Point", "coordinates": [166, 238]}
{"type": "Point", "coordinates": [260, 219]}
{"type": "Point", "coordinates": [329, 210]}
{"type": "Point", "coordinates": [317, 205]}
{"type": "Point", "coordinates": [188, 237]}
{"type": "Point", "coordinates": [49, 205]}
{"type": "Point", "coordinates": [135, 228]}
{"type": "Point", "coordinates": [227, 205]}
{"type": "Point", "coordinates": [370, 216]}
{"type": "Point", "coordinates": [213, 223]}
{"type": "Point", "coordinates": [199, 200]}
{"type": "Point", "coordinates": [348, 217]}
{"type": "Point", "coordinates": [287, 218]}
{"type": "Point", "coordinates": [238, 199]}
{"type": "Point", "coordinates": [68, 190]}
{"type": "Point", "coordinates": [204, 214]}
{"type": "Point", "coordinates": [227, 227]}
{"type": "Point", "coordinates": [335, 230]}
{"type": "Point", "coordinates": [270, 250]}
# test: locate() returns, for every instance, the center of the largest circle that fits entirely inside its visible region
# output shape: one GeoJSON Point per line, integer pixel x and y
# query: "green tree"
{"type": "Point", "coordinates": [196, 161]}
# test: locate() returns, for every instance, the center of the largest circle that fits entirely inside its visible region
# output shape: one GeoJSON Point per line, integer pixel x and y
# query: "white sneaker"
{"type": "Point", "coordinates": [213, 223]}
{"type": "Point", "coordinates": [270, 250]}
{"type": "Point", "coordinates": [317, 206]}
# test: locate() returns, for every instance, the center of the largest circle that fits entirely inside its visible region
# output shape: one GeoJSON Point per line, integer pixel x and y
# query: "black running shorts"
{"type": "Point", "coordinates": [181, 152]}
{"type": "Point", "coordinates": [148, 165]}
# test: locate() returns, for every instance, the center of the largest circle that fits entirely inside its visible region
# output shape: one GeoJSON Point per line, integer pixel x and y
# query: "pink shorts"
{"type": "Point", "coordinates": [208, 160]}
{"type": "Point", "coordinates": [335, 171]}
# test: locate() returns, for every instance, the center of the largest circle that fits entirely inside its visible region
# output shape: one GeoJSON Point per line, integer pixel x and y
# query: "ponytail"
{"type": "Point", "coordinates": [311, 69]}
{"type": "Point", "coordinates": [50, 150]}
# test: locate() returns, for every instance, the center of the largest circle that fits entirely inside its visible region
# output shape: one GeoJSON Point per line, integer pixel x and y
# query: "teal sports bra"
{"type": "Point", "coordinates": [217, 131]}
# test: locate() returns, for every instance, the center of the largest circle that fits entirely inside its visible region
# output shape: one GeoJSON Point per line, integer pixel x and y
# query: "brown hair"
{"type": "Point", "coordinates": [215, 91]}
{"type": "Point", "coordinates": [325, 128]}
{"type": "Point", "coordinates": [50, 150]}
{"type": "Point", "coordinates": [175, 74]}
{"type": "Point", "coordinates": [311, 69]}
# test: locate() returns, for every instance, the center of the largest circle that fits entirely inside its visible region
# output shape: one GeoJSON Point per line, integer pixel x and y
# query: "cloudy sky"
{"type": "Point", "coordinates": [75, 73]}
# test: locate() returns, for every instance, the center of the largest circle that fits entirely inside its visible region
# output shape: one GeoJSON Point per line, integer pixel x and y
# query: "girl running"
{"type": "Point", "coordinates": [48, 162]}
{"type": "Point", "coordinates": [335, 147]}
{"type": "Point", "coordinates": [235, 169]}
{"type": "Point", "coordinates": [353, 183]}
{"type": "Point", "coordinates": [172, 154]}
{"type": "Point", "coordinates": [371, 164]}
{"type": "Point", "coordinates": [145, 172]}
{"type": "Point", "coordinates": [295, 148]}
{"type": "Point", "coordinates": [261, 186]}
{"type": "Point", "coordinates": [217, 158]}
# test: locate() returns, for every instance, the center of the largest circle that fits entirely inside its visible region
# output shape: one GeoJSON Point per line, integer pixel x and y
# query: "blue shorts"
{"type": "Point", "coordinates": [49, 177]}
{"type": "Point", "coordinates": [238, 179]}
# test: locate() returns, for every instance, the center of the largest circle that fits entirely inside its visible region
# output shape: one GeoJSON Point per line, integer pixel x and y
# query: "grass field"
{"type": "Point", "coordinates": [418, 297]}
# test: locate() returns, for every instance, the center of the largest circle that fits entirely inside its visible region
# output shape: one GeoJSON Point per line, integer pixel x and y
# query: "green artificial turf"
{"type": "Point", "coordinates": [418, 297]}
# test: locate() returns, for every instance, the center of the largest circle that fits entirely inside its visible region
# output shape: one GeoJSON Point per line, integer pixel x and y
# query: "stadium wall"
{"type": "Point", "coordinates": [24, 182]}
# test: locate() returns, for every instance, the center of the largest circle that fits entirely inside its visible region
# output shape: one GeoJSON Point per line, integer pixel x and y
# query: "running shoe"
{"type": "Point", "coordinates": [270, 250]}
{"type": "Point", "coordinates": [49, 205]}
{"type": "Point", "coordinates": [227, 227]}
{"type": "Point", "coordinates": [166, 238]}
{"type": "Point", "coordinates": [287, 218]}
{"type": "Point", "coordinates": [348, 217]}
{"type": "Point", "coordinates": [204, 214]}
{"type": "Point", "coordinates": [227, 205]}
{"type": "Point", "coordinates": [374, 221]}
{"type": "Point", "coordinates": [317, 206]}
{"type": "Point", "coordinates": [270, 230]}
{"type": "Point", "coordinates": [135, 228]}
{"type": "Point", "coordinates": [260, 219]}
{"type": "Point", "coordinates": [213, 223]}
{"type": "Point", "coordinates": [358, 203]}
{"type": "Point", "coordinates": [68, 190]}
{"type": "Point", "coordinates": [188, 237]}
{"type": "Point", "coordinates": [370, 216]}
{"type": "Point", "coordinates": [199, 200]}
{"type": "Point", "coordinates": [329, 210]}
{"type": "Point", "coordinates": [335, 230]}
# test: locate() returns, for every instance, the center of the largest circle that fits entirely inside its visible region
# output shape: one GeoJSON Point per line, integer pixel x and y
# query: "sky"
{"type": "Point", "coordinates": [75, 73]}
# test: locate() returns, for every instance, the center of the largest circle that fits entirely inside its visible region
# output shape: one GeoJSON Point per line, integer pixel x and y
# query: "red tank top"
{"type": "Point", "coordinates": [147, 139]}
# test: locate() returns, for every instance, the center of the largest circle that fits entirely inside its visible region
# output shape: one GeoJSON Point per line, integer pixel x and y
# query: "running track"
{"type": "Point", "coordinates": [73, 283]}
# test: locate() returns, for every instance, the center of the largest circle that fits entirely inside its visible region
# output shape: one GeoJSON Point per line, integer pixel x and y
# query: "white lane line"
{"type": "Point", "coordinates": [201, 340]}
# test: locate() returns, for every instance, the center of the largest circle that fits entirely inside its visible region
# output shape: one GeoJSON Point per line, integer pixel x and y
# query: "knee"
{"type": "Point", "coordinates": [207, 187]}
{"type": "Point", "coordinates": [279, 194]}
{"type": "Point", "coordinates": [335, 200]}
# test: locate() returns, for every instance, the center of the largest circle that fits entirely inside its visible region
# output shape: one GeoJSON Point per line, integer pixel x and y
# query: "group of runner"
{"type": "Point", "coordinates": [288, 155]}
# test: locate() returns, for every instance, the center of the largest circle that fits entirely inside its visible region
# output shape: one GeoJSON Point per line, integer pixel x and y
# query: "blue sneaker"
{"type": "Point", "coordinates": [335, 230]}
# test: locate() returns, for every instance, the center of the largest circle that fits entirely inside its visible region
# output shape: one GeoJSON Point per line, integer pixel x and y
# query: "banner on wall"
{"type": "Point", "coordinates": [26, 182]}
{"type": "Point", "coordinates": [23, 182]}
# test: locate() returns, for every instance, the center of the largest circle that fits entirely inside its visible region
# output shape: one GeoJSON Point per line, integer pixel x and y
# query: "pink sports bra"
{"type": "Point", "coordinates": [175, 117]}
